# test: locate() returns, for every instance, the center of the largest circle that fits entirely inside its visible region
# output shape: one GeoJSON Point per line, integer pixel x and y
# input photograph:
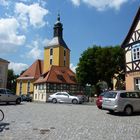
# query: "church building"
{"type": "Point", "coordinates": [131, 44]}
{"type": "Point", "coordinates": [53, 73]}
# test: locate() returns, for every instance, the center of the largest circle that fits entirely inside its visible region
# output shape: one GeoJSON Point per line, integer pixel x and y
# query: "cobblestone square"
{"type": "Point", "coordinates": [46, 121]}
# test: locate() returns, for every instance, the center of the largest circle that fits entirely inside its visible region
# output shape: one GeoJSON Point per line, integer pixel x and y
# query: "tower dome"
{"type": "Point", "coordinates": [58, 28]}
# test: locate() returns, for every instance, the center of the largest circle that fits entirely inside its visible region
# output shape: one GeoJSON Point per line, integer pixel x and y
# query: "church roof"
{"type": "Point", "coordinates": [57, 41]}
{"type": "Point", "coordinates": [132, 28]}
{"type": "Point", "coordinates": [58, 74]}
{"type": "Point", "coordinates": [57, 36]}
{"type": "Point", "coordinates": [33, 72]}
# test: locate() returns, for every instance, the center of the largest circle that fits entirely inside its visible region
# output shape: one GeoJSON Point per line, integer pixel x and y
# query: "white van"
{"type": "Point", "coordinates": [8, 96]}
{"type": "Point", "coordinates": [122, 101]}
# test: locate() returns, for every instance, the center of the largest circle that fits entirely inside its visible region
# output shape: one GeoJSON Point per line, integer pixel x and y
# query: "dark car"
{"type": "Point", "coordinates": [83, 98]}
{"type": "Point", "coordinates": [99, 100]}
{"type": "Point", "coordinates": [26, 98]}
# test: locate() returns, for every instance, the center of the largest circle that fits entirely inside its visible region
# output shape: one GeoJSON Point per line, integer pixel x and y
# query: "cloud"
{"type": "Point", "coordinates": [9, 37]}
{"type": "Point", "coordinates": [17, 67]}
{"type": "Point", "coordinates": [4, 2]}
{"type": "Point", "coordinates": [101, 5]}
{"type": "Point", "coordinates": [72, 67]}
{"type": "Point", "coordinates": [45, 42]}
{"type": "Point", "coordinates": [35, 50]}
{"type": "Point", "coordinates": [34, 14]}
{"type": "Point", "coordinates": [76, 2]}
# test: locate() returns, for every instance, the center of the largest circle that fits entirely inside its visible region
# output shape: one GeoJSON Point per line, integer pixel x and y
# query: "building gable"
{"type": "Point", "coordinates": [33, 72]}
{"type": "Point", "coordinates": [131, 44]}
{"type": "Point", "coordinates": [134, 31]}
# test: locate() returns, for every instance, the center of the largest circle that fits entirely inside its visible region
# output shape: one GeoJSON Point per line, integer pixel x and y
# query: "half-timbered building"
{"type": "Point", "coordinates": [131, 44]}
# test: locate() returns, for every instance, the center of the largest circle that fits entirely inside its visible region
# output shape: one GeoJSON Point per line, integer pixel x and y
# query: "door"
{"type": "Point", "coordinates": [59, 97]}
{"type": "Point", "coordinates": [10, 96]}
{"type": "Point", "coordinates": [66, 98]}
{"type": "Point", "coordinates": [134, 99]}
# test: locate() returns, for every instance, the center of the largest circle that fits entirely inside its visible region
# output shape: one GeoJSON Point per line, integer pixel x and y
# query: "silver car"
{"type": "Point", "coordinates": [122, 101]}
{"type": "Point", "coordinates": [8, 96]}
{"type": "Point", "coordinates": [63, 97]}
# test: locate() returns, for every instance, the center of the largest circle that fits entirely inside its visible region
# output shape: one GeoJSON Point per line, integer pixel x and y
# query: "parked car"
{"type": "Point", "coordinates": [122, 101]}
{"type": "Point", "coordinates": [83, 98]}
{"type": "Point", "coordinates": [64, 97]}
{"type": "Point", "coordinates": [27, 98]}
{"type": "Point", "coordinates": [7, 96]}
{"type": "Point", "coordinates": [99, 100]}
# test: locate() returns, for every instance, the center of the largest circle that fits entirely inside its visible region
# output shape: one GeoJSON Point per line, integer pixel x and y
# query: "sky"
{"type": "Point", "coordinates": [26, 27]}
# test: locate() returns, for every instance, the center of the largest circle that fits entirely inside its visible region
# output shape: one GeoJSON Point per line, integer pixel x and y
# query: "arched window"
{"type": "Point", "coordinates": [20, 87]}
{"type": "Point", "coordinates": [28, 87]}
{"type": "Point", "coordinates": [51, 51]}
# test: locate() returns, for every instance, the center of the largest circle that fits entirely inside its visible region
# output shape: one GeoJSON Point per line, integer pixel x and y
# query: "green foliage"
{"type": "Point", "coordinates": [100, 64]}
{"type": "Point", "coordinates": [11, 80]}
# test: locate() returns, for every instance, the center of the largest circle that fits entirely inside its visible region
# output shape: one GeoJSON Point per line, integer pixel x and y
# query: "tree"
{"type": "Point", "coordinates": [11, 80]}
{"type": "Point", "coordinates": [100, 64]}
{"type": "Point", "coordinates": [86, 69]}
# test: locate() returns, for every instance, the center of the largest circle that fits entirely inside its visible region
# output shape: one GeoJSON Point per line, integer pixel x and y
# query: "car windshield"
{"type": "Point", "coordinates": [110, 94]}
{"type": "Point", "coordinates": [102, 94]}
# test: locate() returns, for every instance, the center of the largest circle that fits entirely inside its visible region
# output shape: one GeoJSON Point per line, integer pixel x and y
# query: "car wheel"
{"type": "Point", "coordinates": [18, 101]}
{"type": "Point", "coordinates": [7, 103]}
{"type": "Point", "coordinates": [54, 100]}
{"type": "Point", "coordinates": [128, 110]}
{"type": "Point", "coordinates": [74, 101]}
{"type": "Point", "coordinates": [111, 111]}
{"type": "Point", "coordinates": [100, 107]}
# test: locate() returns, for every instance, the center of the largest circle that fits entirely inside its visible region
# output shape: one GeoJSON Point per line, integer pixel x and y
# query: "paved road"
{"type": "Point", "coordinates": [39, 121]}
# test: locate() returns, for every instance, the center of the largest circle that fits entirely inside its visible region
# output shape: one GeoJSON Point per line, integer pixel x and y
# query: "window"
{"type": "Point", "coordinates": [42, 86]}
{"type": "Point", "coordinates": [136, 51]}
{"type": "Point", "coordinates": [28, 87]}
{"type": "Point", "coordinates": [130, 95]}
{"type": "Point", "coordinates": [65, 94]}
{"type": "Point", "coordinates": [35, 96]}
{"type": "Point", "coordinates": [123, 95]}
{"type": "Point", "coordinates": [42, 96]}
{"type": "Point", "coordinates": [137, 83]}
{"type": "Point", "coordinates": [36, 86]}
{"type": "Point", "coordinates": [20, 88]}
{"type": "Point", "coordinates": [60, 77]}
{"type": "Point", "coordinates": [2, 91]}
{"type": "Point", "coordinates": [64, 62]}
{"type": "Point", "coordinates": [133, 95]}
{"type": "Point", "coordinates": [50, 61]}
{"type": "Point", "coordinates": [110, 94]}
{"type": "Point", "coordinates": [0, 69]}
{"type": "Point", "coordinates": [39, 87]}
{"type": "Point", "coordinates": [64, 52]}
{"type": "Point", "coordinates": [51, 51]}
{"type": "Point", "coordinates": [59, 94]}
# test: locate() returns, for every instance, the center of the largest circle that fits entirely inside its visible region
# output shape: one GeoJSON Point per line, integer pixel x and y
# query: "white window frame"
{"type": "Point", "coordinates": [137, 83]}
{"type": "Point", "coordinates": [136, 52]}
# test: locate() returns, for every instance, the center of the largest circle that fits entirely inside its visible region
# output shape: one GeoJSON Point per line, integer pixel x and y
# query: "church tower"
{"type": "Point", "coordinates": [56, 52]}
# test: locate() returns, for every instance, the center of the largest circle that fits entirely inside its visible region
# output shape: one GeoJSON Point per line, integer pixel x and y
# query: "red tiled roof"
{"type": "Point", "coordinates": [34, 71]}
{"type": "Point", "coordinates": [58, 74]}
